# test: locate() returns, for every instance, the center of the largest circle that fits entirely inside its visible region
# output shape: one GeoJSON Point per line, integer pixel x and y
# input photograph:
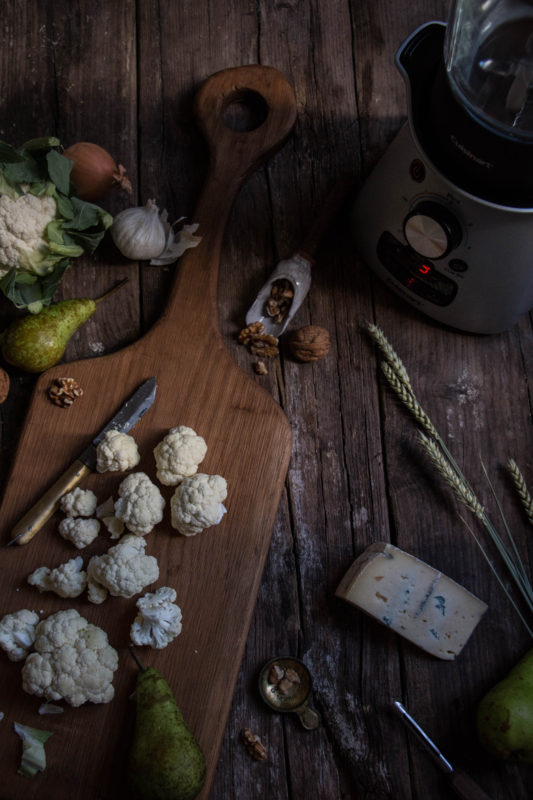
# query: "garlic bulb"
{"type": "Point", "coordinates": [139, 233]}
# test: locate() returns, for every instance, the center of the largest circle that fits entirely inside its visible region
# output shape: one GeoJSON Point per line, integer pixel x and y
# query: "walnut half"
{"type": "Point", "coordinates": [254, 745]}
{"type": "Point", "coordinates": [64, 391]}
{"type": "Point", "coordinates": [310, 343]}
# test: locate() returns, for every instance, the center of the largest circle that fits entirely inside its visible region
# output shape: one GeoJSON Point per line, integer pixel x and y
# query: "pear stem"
{"type": "Point", "coordinates": [136, 659]}
{"type": "Point", "coordinates": [112, 290]}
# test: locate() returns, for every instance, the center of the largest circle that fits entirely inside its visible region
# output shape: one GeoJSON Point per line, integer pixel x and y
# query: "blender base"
{"type": "Point", "coordinates": [463, 261]}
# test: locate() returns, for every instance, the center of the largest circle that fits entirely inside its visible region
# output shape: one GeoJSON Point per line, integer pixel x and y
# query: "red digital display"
{"type": "Point", "coordinates": [424, 269]}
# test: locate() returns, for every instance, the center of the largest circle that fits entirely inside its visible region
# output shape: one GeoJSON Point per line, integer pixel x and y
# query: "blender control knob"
{"type": "Point", "coordinates": [432, 230]}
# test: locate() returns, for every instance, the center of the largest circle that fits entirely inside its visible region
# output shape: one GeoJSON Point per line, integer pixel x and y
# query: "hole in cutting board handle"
{"type": "Point", "coordinates": [244, 110]}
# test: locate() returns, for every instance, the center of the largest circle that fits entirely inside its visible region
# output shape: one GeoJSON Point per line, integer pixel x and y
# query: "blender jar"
{"type": "Point", "coordinates": [488, 53]}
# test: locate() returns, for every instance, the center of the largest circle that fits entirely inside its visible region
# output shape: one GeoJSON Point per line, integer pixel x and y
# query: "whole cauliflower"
{"type": "Point", "coordinates": [158, 621]}
{"type": "Point", "coordinates": [197, 503]}
{"type": "Point", "coordinates": [79, 503]}
{"type": "Point", "coordinates": [66, 580]}
{"type": "Point", "coordinates": [123, 571]}
{"type": "Point", "coordinates": [177, 456]}
{"type": "Point", "coordinates": [117, 452]}
{"type": "Point", "coordinates": [79, 530]}
{"type": "Point", "coordinates": [73, 661]}
{"type": "Point", "coordinates": [17, 633]}
{"type": "Point", "coordinates": [23, 240]}
{"type": "Point", "coordinates": [140, 504]}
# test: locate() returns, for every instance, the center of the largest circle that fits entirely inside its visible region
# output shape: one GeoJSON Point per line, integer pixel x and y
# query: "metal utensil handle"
{"type": "Point", "coordinates": [464, 787]}
{"type": "Point", "coordinates": [309, 718]}
{"type": "Point", "coordinates": [40, 513]}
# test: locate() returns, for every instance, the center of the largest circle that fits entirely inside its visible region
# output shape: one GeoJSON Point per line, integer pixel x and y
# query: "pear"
{"type": "Point", "coordinates": [36, 342]}
{"type": "Point", "coordinates": [165, 760]}
{"type": "Point", "coordinates": [505, 714]}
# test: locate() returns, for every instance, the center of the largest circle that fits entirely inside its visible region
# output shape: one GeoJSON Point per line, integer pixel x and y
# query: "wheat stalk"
{"type": "Point", "coordinates": [457, 483]}
{"type": "Point", "coordinates": [435, 447]}
{"type": "Point", "coordinates": [521, 488]}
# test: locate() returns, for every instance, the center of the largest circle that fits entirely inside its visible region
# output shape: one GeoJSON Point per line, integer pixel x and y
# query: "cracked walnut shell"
{"type": "Point", "coordinates": [310, 343]}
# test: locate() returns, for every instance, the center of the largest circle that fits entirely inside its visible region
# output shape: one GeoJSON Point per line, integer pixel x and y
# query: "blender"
{"type": "Point", "coordinates": [446, 217]}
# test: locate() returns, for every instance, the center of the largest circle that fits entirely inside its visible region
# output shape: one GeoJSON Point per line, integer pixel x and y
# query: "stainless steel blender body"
{"type": "Point", "coordinates": [458, 257]}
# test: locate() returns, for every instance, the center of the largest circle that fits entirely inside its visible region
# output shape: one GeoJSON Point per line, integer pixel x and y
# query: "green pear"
{"type": "Point", "coordinates": [165, 760]}
{"type": "Point", "coordinates": [505, 714]}
{"type": "Point", "coordinates": [36, 342]}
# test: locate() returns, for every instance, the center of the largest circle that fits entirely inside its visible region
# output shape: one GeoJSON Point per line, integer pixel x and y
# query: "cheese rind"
{"type": "Point", "coordinates": [413, 599]}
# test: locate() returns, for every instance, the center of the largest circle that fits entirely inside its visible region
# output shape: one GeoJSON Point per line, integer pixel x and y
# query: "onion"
{"type": "Point", "coordinates": [95, 171]}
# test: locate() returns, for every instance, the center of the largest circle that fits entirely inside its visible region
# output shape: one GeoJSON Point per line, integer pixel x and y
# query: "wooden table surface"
{"type": "Point", "coordinates": [123, 74]}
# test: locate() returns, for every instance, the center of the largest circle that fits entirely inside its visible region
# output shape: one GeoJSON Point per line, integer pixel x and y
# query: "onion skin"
{"type": "Point", "coordinates": [95, 171]}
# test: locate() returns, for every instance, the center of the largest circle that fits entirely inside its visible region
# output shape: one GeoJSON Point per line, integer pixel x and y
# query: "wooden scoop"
{"type": "Point", "coordinates": [217, 572]}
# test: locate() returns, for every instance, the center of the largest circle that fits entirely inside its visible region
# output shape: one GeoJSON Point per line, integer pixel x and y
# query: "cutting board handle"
{"type": "Point", "coordinates": [233, 155]}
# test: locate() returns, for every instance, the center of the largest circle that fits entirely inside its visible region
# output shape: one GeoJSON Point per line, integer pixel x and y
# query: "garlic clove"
{"type": "Point", "coordinates": [139, 233]}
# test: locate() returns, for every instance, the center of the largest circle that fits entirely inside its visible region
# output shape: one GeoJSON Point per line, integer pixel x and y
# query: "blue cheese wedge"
{"type": "Point", "coordinates": [413, 599]}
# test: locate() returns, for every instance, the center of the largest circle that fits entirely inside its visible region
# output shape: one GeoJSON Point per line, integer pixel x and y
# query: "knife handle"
{"type": "Point", "coordinates": [40, 513]}
{"type": "Point", "coordinates": [464, 787]}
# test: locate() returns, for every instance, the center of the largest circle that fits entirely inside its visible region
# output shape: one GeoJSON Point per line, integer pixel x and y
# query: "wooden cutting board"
{"type": "Point", "coordinates": [216, 574]}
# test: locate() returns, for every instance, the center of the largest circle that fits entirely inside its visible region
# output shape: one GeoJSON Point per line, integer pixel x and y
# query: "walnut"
{"type": "Point", "coordinates": [259, 343]}
{"type": "Point", "coordinates": [64, 391]}
{"type": "Point", "coordinates": [4, 385]}
{"type": "Point", "coordinates": [260, 368]}
{"type": "Point", "coordinates": [276, 674]}
{"type": "Point", "coordinates": [254, 745]}
{"type": "Point", "coordinates": [310, 343]}
{"type": "Point", "coordinates": [264, 345]}
{"type": "Point", "coordinates": [247, 334]}
{"type": "Point", "coordinates": [279, 302]}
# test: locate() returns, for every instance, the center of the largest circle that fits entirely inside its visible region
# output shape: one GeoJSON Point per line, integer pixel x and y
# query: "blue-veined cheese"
{"type": "Point", "coordinates": [414, 599]}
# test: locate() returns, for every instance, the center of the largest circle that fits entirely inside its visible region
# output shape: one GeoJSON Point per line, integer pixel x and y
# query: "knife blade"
{"type": "Point", "coordinates": [124, 420]}
{"type": "Point", "coordinates": [461, 783]}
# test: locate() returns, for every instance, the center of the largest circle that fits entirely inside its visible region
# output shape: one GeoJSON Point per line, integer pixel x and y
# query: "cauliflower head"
{"type": "Point", "coordinates": [197, 503]}
{"type": "Point", "coordinates": [23, 239]}
{"type": "Point", "coordinates": [79, 503]}
{"type": "Point", "coordinates": [43, 224]}
{"type": "Point", "coordinates": [123, 571]}
{"type": "Point", "coordinates": [73, 661]}
{"type": "Point", "coordinates": [159, 619]}
{"type": "Point", "coordinates": [66, 580]}
{"type": "Point", "coordinates": [178, 455]}
{"type": "Point", "coordinates": [140, 503]}
{"type": "Point", "coordinates": [117, 452]}
{"type": "Point", "coordinates": [17, 633]}
{"type": "Point", "coordinates": [79, 530]}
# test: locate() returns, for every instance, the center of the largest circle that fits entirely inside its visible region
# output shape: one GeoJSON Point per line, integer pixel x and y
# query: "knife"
{"type": "Point", "coordinates": [459, 781]}
{"type": "Point", "coordinates": [123, 421]}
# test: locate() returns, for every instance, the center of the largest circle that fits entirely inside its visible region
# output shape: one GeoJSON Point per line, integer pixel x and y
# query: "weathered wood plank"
{"type": "Point", "coordinates": [124, 75]}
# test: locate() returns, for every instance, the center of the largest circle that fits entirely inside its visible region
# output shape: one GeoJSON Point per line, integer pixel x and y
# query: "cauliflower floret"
{"type": "Point", "coordinates": [23, 224]}
{"type": "Point", "coordinates": [79, 503]}
{"type": "Point", "coordinates": [66, 580]}
{"type": "Point", "coordinates": [140, 504]}
{"type": "Point", "coordinates": [79, 530]}
{"type": "Point", "coordinates": [73, 660]}
{"type": "Point", "coordinates": [106, 513]}
{"type": "Point", "coordinates": [17, 633]}
{"type": "Point", "coordinates": [197, 503]}
{"type": "Point", "coordinates": [117, 452]}
{"type": "Point", "coordinates": [177, 456]}
{"type": "Point", "coordinates": [159, 619]}
{"type": "Point", "coordinates": [123, 571]}
{"type": "Point", "coordinates": [114, 525]}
